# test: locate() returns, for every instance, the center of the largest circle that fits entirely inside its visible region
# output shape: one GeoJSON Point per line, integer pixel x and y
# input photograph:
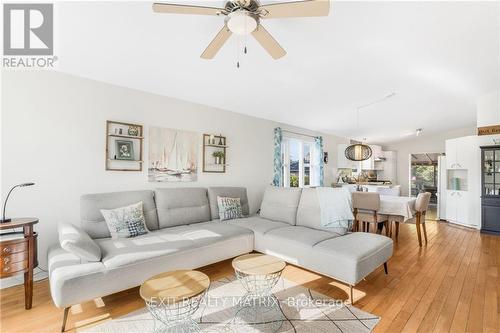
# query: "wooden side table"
{"type": "Point", "coordinates": [172, 297]}
{"type": "Point", "coordinates": [19, 255]}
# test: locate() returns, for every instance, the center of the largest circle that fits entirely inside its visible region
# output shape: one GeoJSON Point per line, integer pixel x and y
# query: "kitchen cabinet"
{"type": "Point", "coordinates": [388, 170]}
{"type": "Point", "coordinates": [373, 162]}
{"type": "Point", "coordinates": [457, 208]}
{"type": "Point", "coordinates": [342, 161]}
{"type": "Point", "coordinates": [461, 153]}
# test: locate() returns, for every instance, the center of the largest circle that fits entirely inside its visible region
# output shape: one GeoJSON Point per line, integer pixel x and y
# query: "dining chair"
{"type": "Point", "coordinates": [366, 206]}
{"type": "Point", "coordinates": [421, 206]}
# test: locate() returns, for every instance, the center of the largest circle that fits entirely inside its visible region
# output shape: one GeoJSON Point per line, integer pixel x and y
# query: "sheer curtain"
{"type": "Point", "coordinates": [318, 165]}
{"type": "Point", "coordinates": [278, 157]}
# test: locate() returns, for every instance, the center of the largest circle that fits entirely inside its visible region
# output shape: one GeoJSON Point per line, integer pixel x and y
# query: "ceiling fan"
{"type": "Point", "coordinates": [242, 17]}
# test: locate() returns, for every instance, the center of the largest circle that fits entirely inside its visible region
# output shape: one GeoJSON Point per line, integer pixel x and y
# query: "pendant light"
{"type": "Point", "coordinates": [358, 152]}
{"type": "Point", "coordinates": [361, 151]}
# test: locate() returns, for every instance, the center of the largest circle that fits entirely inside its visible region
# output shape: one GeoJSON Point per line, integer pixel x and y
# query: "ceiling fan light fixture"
{"type": "Point", "coordinates": [358, 152]}
{"type": "Point", "coordinates": [241, 22]}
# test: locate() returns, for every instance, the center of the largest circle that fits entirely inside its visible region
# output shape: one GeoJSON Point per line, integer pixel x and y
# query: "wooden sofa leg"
{"type": "Point", "coordinates": [65, 318]}
{"type": "Point", "coordinates": [385, 268]}
{"type": "Point", "coordinates": [351, 298]}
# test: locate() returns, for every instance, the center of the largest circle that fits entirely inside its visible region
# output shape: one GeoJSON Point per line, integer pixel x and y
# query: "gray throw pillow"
{"type": "Point", "coordinates": [78, 242]}
{"type": "Point", "coordinates": [125, 222]}
{"type": "Point", "coordinates": [229, 208]}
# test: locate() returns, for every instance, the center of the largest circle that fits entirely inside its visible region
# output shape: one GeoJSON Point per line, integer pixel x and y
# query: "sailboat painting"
{"type": "Point", "coordinates": [173, 155]}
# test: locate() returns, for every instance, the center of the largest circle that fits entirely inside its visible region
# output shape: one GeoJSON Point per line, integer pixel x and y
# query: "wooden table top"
{"type": "Point", "coordinates": [258, 264]}
{"type": "Point", "coordinates": [173, 287]}
{"type": "Point", "coordinates": [18, 222]}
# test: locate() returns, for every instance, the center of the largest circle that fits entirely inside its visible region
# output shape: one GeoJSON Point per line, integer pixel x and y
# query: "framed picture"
{"type": "Point", "coordinates": [124, 150]}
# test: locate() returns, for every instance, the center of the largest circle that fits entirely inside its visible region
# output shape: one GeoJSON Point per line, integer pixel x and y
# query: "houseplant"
{"type": "Point", "coordinates": [219, 156]}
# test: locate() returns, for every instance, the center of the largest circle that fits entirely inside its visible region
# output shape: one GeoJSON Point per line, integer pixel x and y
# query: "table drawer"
{"type": "Point", "coordinates": [11, 268]}
{"type": "Point", "coordinates": [13, 247]}
{"type": "Point", "coordinates": [14, 257]}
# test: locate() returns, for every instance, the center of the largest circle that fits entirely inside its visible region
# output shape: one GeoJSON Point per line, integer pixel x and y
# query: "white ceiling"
{"type": "Point", "coordinates": [437, 56]}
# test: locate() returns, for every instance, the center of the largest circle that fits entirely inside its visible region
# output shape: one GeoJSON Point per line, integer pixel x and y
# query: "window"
{"type": "Point", "coordinates": [299, 169]}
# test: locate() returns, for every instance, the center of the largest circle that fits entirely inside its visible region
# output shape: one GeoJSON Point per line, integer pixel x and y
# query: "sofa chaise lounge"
{"type": "Point", "coordinates": [186, 233]}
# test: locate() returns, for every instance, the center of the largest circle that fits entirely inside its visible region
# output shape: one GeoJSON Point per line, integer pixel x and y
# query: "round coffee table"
{"type": "Point", "coordinates": [172, 298]}
{"type": "Point", "coordinates": [259, 273]}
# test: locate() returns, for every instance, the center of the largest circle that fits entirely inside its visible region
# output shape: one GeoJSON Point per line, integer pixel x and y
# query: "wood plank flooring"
{"type": "Point", "coordinates": [450, 285]}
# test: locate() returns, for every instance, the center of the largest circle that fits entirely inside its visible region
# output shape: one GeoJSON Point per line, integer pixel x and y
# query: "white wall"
{"type": "Point", "coordinates": [53, 133]}
{"type": "Point", "coordinates": [488, 109]}
{"type": "Point", "coordinates": [432, 143]}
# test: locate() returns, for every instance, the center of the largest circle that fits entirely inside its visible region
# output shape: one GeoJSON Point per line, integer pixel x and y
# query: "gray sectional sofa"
{"type": "Point", "coordinates": [185, 233]}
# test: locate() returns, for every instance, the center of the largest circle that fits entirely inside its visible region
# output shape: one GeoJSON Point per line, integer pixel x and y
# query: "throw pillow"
{"type": "Point", "coordinates": [125, 222]}
{"type": "Point", "coordinates": [78, 242]}
{"type": "Point", "coordinates": [229, 208]}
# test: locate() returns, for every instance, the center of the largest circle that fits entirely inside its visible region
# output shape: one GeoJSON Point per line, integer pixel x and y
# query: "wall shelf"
{"type": "Point", "coordinates": [126, 136]}
{"type": "Point", "coordinates": [124, 146]}
{"type": "Point", "coordinates": [211, 144]}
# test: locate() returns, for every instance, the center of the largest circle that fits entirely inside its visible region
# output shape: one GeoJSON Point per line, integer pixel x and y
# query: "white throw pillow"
{"type": "Point", "coordinates": [229, 208]}
{"type": "Point", "coordinates": [78, 242]}
{"type": "Point", "coordinates": [125, 222]}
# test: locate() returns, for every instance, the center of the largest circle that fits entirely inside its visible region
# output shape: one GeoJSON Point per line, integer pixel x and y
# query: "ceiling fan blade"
{"type": "Point", "coordinates": [185, 9]}
{"type": "Point", "coordinates": [268, 42]}
{"type": "Point", "coordinates": [307, 8]}
{"type": "Point", "coordinates": [216, 43]}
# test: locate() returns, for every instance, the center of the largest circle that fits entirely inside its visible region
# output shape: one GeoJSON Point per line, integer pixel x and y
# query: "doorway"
{"type": "Point", "coordinates": [424, 177]}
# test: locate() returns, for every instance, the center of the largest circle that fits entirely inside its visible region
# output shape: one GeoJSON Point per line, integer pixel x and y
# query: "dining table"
{"type": "Point", "coordinates": [398, 206]}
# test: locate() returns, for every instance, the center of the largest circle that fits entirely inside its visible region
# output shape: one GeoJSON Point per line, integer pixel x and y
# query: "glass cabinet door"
{"type": "Point", "coordinates": [491, 172]}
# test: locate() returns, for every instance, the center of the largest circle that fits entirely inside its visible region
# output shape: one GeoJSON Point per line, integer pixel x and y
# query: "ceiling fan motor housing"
{"type": "Point", "coordinates": [242, 16]}
{"type": "Point", "coordinates": [242, 22]}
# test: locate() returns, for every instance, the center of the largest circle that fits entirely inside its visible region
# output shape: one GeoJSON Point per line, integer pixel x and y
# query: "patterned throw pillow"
{"type": "Point", "coordinates": [229, 208]}
{"type": "Point", "coordinates": [125, 222]}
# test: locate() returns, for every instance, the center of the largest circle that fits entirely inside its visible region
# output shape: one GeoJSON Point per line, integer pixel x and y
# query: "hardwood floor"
{"type": "Point", "coordinates": [450, 285]}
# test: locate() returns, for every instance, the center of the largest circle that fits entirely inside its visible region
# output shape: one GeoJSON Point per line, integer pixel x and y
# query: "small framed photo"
{"type": "Point", "coordinates": [124, 150]}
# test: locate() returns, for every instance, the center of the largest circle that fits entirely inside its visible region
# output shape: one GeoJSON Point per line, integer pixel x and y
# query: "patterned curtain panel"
{"type": "Point", "coordinates": [278, 161]}
{"type": "Point", "coordinates": [318, 141]}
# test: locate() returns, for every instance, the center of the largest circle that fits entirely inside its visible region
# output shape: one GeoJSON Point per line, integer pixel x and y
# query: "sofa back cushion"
{"type": "Point", "coordinates": [229, 192]}
{"type": "Point", "coordinates": [309, 212]}
{"type": "Point", "coordinates": [280, 204]}
{"type": "Point", "coordinates": [91, 204]}
{"type": "Point", "coordinates": [179, 206]}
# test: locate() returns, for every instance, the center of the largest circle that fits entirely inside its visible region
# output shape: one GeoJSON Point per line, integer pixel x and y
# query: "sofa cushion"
{"type": "Point", "coordinates": [124, 222]}
{"type": "Point", "coordinates": [309, 212]}
{"type": "Point", "coordinates": [179, 206]}
{"type": "Point", "coordinates": [73, 282]}
{"type": "Point", "coordinates": [229, 208]}
{"type": "Point", "coordinates": [78, 242]}
{"type": "Point", "coordinates": [280, 204]}
{"type": "Point", "coordinates": [257, 224]}
{"type": "Point", "coordinates": [227, 191]}
{"type": "Point", "coordinates": [299, 235]}
{"type": "Point", "coordinates": [294, 244]}
{"type": "Point", "coordinates": [354, 255]}
{"type": "Point", "coordinates": [91, 204]}
{"type": "Point", "coordinates": [128, 251]}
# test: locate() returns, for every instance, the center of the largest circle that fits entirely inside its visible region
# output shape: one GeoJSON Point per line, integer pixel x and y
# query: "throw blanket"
{"type": "Point", "coordinates": [336, 208]}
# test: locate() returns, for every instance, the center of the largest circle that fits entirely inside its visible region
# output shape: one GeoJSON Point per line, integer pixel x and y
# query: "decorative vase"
{"type": "Point", "coordinates": [217, 160]}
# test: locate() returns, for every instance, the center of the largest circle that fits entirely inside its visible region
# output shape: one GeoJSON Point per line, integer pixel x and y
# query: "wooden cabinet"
{"type": "Point", "coordinates": [18, 253]}
{"type": "Point", "coordinates": [490, 189]}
